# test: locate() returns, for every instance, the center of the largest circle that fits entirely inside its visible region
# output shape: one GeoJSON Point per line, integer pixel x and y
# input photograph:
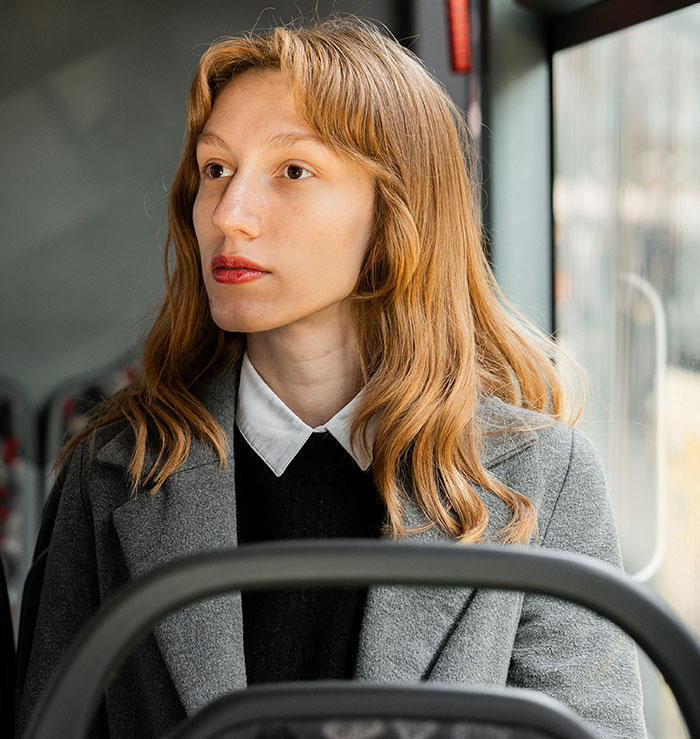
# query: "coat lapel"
{"type": "Point", "coordinates": [194, 511]}
{"type": "Point", "coordinates": [405, 629]}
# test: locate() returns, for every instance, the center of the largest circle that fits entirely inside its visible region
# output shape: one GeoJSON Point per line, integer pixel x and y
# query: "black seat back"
{"type": "Point", "coordinates": [101, 648]}
{"type": "Point", "coordinates": [7, 661]}
{"type": "Point", "coordinates": [63, 415]}
{"type": "Point", "coordinates": [33, 585]}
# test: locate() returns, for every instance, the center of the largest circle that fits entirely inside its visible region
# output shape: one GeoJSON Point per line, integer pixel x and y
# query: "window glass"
{"type": "Point", "coordinates": [627, 289]}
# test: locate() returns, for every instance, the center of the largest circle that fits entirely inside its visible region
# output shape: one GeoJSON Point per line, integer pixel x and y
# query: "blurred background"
{"type": "Point", "coordinates": [586, 118]}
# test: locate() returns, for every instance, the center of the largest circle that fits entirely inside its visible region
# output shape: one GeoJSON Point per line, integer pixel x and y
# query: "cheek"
{"type": "Point", "coordinates": [360, 229]}
{"type": "Point", "coordinates": [351, 218]}
{"type": "Point", "coordinates": [200, 219]}
{"type": "Point", "coordinates": [196, 218]}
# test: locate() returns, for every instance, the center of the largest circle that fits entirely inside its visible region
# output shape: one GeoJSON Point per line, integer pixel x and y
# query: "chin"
{"type": "Point", "coordinates": [240, 322]}
{"type": "Point", "coordinates": [238, 326]}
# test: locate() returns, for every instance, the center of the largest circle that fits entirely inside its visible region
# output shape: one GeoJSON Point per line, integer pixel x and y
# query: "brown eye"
{"type": "Point", "coordinates": [216, 171]}
{"type": "Point", "coordinates": [296, 172]}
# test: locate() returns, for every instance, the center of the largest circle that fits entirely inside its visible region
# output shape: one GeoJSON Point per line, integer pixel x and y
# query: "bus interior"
{"type": "Point", "coordinates": [585, 117]}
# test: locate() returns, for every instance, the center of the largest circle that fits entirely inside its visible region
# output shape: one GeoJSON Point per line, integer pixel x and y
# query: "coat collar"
{"type": "Point", "coordinates": [403, 629]}
{"type": "Point", "coordinates": [218, 395]}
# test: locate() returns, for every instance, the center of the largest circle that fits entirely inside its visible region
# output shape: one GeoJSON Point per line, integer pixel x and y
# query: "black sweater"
{"type": "Point", "coordinates": [307, 634]}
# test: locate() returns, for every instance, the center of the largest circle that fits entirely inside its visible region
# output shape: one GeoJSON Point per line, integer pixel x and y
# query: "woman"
{"type": "Point", "coordinates": [330, 323]}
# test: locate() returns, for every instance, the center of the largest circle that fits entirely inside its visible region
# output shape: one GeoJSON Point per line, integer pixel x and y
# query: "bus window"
{"type": "Point", "coordinates": [627, 287]}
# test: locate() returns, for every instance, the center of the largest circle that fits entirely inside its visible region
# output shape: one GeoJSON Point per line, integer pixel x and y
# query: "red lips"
{"type": "Point", "coordinates": [233, 270]}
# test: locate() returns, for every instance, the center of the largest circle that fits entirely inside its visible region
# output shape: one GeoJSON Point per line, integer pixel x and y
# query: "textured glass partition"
{"type": "Point", "coordinates": [627, 234]}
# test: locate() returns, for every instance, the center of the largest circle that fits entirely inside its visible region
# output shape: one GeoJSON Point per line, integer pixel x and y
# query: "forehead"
{"type": "Point", "coordinates": [267, 83]}
{"type": "Point", "coordinates": [256, 109]}
{"type": "Point", "coordinates": [255, 98]}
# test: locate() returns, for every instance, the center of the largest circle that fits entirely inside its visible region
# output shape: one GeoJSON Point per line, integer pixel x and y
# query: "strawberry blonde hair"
{"type": "Point", "coordinates": [434, 332]}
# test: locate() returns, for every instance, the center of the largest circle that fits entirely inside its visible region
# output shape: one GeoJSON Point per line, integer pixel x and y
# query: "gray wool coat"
{"type": "Point", "coordinates": [104, 537]}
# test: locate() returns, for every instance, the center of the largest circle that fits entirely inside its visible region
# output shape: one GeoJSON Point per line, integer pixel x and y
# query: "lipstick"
{"type": "Point", "coordinates": [233, 270]}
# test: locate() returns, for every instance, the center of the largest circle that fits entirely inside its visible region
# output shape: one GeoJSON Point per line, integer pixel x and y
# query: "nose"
{"type": "Point", "coordinates": [239, 208]}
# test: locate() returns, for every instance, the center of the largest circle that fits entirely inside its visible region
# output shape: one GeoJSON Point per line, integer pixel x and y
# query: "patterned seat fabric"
{"type": "Point", "coordinates": [379, 729]}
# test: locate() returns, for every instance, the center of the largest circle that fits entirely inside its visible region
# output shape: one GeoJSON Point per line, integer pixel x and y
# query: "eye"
{"type": "Point", "coordinates": [216, 171]}
{"type": "Point", "coordinates": [296, 172]}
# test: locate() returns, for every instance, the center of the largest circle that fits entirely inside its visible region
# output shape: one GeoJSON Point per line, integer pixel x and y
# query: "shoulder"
{"type": "Point", "coordinates": [553, 464]}
{"type": "Point", "coordinates": [94, 472]}
{"type": "Point", "coordinates": [113, 440]}
{"type": "Point", "coordinates": [507, 431]}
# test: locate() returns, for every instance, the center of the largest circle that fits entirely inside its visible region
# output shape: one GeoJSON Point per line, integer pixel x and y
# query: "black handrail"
{"type": "Point", "coordinates": [75, 690]}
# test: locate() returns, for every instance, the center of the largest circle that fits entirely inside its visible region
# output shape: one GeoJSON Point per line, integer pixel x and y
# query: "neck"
{"type": "Point", "coordinates": [314, 372]}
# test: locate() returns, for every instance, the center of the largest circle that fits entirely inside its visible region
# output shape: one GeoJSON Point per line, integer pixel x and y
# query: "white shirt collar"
{"type": "Point", "coordinates": [276, 433]}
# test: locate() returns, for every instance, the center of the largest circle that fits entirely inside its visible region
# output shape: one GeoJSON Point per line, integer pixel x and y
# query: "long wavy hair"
{"type": "Point", "coordinates": [435, 333]}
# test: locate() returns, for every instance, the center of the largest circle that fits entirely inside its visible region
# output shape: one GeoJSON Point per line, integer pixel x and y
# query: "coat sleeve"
{"type": "Point", "coordinates": [563, 649]}
{"type": "Point", "coordinates": [69, 596]}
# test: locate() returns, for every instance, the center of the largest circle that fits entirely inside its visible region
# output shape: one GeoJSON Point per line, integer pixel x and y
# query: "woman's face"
{"type": "Point", "coordinates": [282, 222]}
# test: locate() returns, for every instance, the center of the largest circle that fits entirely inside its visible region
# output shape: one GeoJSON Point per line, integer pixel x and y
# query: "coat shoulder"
{"type": "Point", "coordinates": [85, 476]}
{"type": "Point", "coordinates": [91, 446]}
{"type": "Point", "coordinates": [510, 431]}
{"type": "Point", "coordinates": [555, 465]}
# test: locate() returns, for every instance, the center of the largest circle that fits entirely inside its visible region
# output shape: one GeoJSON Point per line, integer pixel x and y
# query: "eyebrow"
{"type": "Point", "coordinates": [278, 141]}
